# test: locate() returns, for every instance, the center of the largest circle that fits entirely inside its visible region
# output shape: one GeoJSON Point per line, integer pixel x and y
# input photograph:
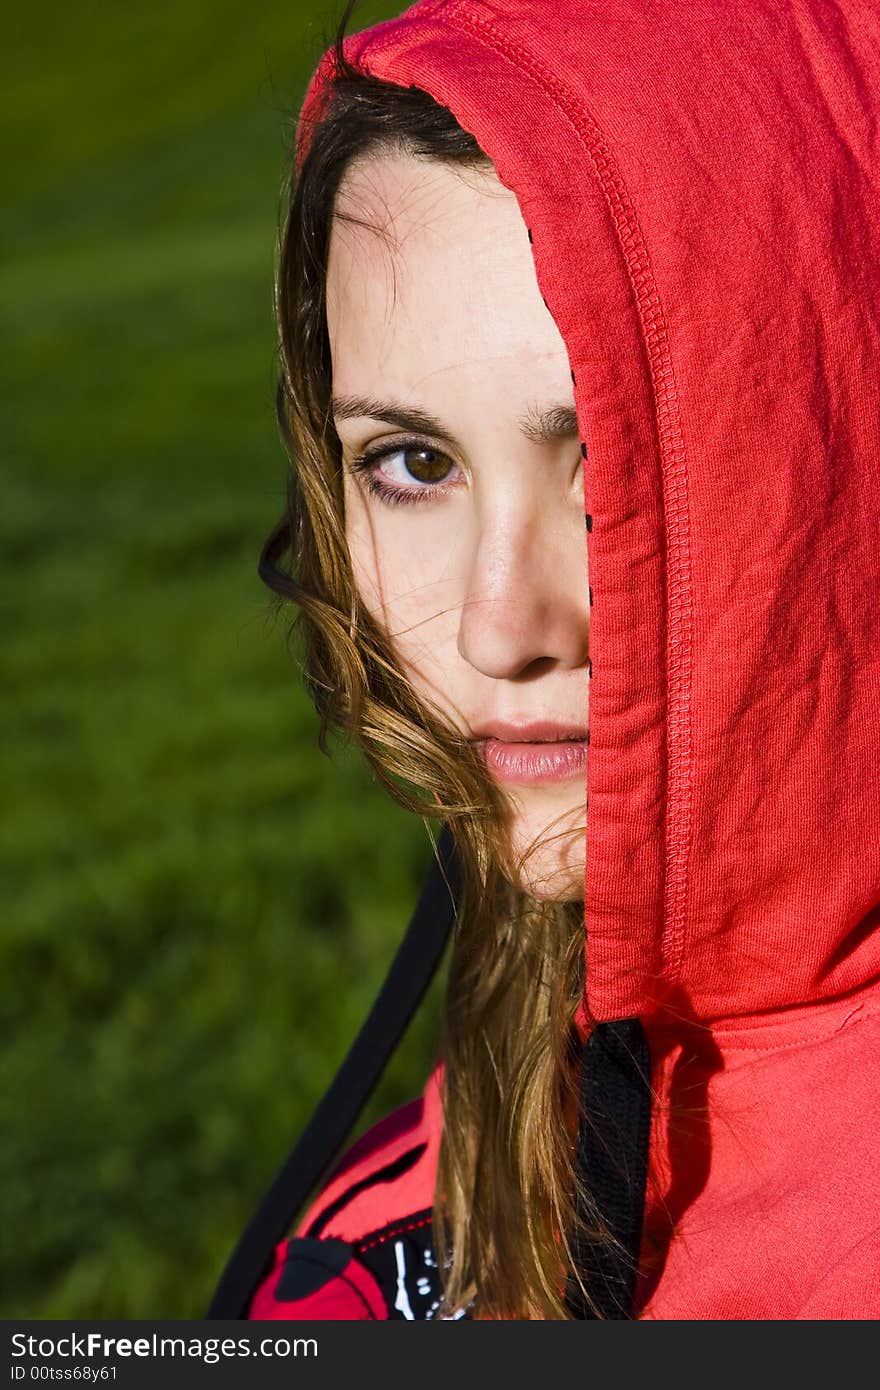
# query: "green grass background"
{"type": "Point", "coordinates": [198, 907]}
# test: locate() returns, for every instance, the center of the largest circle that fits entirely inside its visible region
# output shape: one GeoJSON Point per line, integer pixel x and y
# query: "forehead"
{"type": "Point", "coordinates": [431, 280]}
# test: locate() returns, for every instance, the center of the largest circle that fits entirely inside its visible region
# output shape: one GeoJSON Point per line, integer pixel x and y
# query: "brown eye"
{"type": "Point", "coordinates": [407, 473]}
{"type": "Point", "coordinates": [425, 465]}
{"type": "Point", "coordinates": [411, 466]}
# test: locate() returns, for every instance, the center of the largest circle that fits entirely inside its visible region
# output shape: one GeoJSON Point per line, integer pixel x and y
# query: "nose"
{"type": "Point", "coordinates": [526, 601]}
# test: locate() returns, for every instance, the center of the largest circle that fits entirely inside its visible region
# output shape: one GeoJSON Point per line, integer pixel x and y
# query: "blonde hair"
{"type": "Point", "coordinates": [506, 1207]}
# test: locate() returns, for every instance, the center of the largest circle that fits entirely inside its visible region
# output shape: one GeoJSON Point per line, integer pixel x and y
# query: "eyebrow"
{"type": "Point", "coordinates": [539, 426]}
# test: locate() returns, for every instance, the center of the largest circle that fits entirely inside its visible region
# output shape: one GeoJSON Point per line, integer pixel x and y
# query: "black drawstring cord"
{"type": "Point", "coordinates": [412, 971]}
{"type": "Point", "coordinates": [612, 1166]}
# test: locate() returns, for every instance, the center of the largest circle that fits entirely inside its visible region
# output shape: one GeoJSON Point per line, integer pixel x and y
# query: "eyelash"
{"type": "Point", "coordinates": [365, 463]}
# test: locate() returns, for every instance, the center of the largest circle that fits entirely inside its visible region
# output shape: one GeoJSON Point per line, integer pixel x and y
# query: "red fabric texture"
{"type": "Point", "coordinates": [702, 187]}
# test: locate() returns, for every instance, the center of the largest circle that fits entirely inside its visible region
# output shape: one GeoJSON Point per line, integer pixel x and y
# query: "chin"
{"type": "Point", "coordinates": [552, 870]}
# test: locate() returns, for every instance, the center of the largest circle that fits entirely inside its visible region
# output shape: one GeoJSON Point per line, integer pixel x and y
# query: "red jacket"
{"type": "Point", "coordinates": [702, 187]}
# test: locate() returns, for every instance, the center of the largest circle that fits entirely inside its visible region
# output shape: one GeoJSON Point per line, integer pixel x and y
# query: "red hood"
{"type": "Point", "coordinates": [702, 187]}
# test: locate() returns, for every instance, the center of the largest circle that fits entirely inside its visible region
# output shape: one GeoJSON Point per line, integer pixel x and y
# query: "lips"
{"type": "Point", "coordinates": [531, 754]}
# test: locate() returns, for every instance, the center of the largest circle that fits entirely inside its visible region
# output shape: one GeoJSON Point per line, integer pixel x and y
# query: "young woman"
{"type": "Point", "coordinates": [553, 259]}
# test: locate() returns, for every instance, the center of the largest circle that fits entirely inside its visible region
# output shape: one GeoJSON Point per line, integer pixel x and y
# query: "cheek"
{"type": "Point", "coordinates": [405, 573]}
{"type": "Point", "coordinates": [364, 551]}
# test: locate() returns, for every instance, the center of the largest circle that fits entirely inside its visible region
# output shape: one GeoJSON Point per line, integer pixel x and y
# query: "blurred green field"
{"type": "Point", "coordinates": [198, 906]}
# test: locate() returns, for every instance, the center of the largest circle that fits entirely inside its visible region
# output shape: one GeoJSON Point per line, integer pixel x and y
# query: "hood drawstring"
{"type": "Point", "coordinates": [612, 1167]}
{"type": "Point", "coordinates": [412, 970]}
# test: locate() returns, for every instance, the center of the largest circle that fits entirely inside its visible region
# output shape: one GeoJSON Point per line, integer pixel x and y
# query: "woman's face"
{"type": "Point", "coordinates": [463, 481]}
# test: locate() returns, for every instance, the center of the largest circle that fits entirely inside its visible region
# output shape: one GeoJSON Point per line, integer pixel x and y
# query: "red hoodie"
{"type": "Point", "coordinates": [701, 182]}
